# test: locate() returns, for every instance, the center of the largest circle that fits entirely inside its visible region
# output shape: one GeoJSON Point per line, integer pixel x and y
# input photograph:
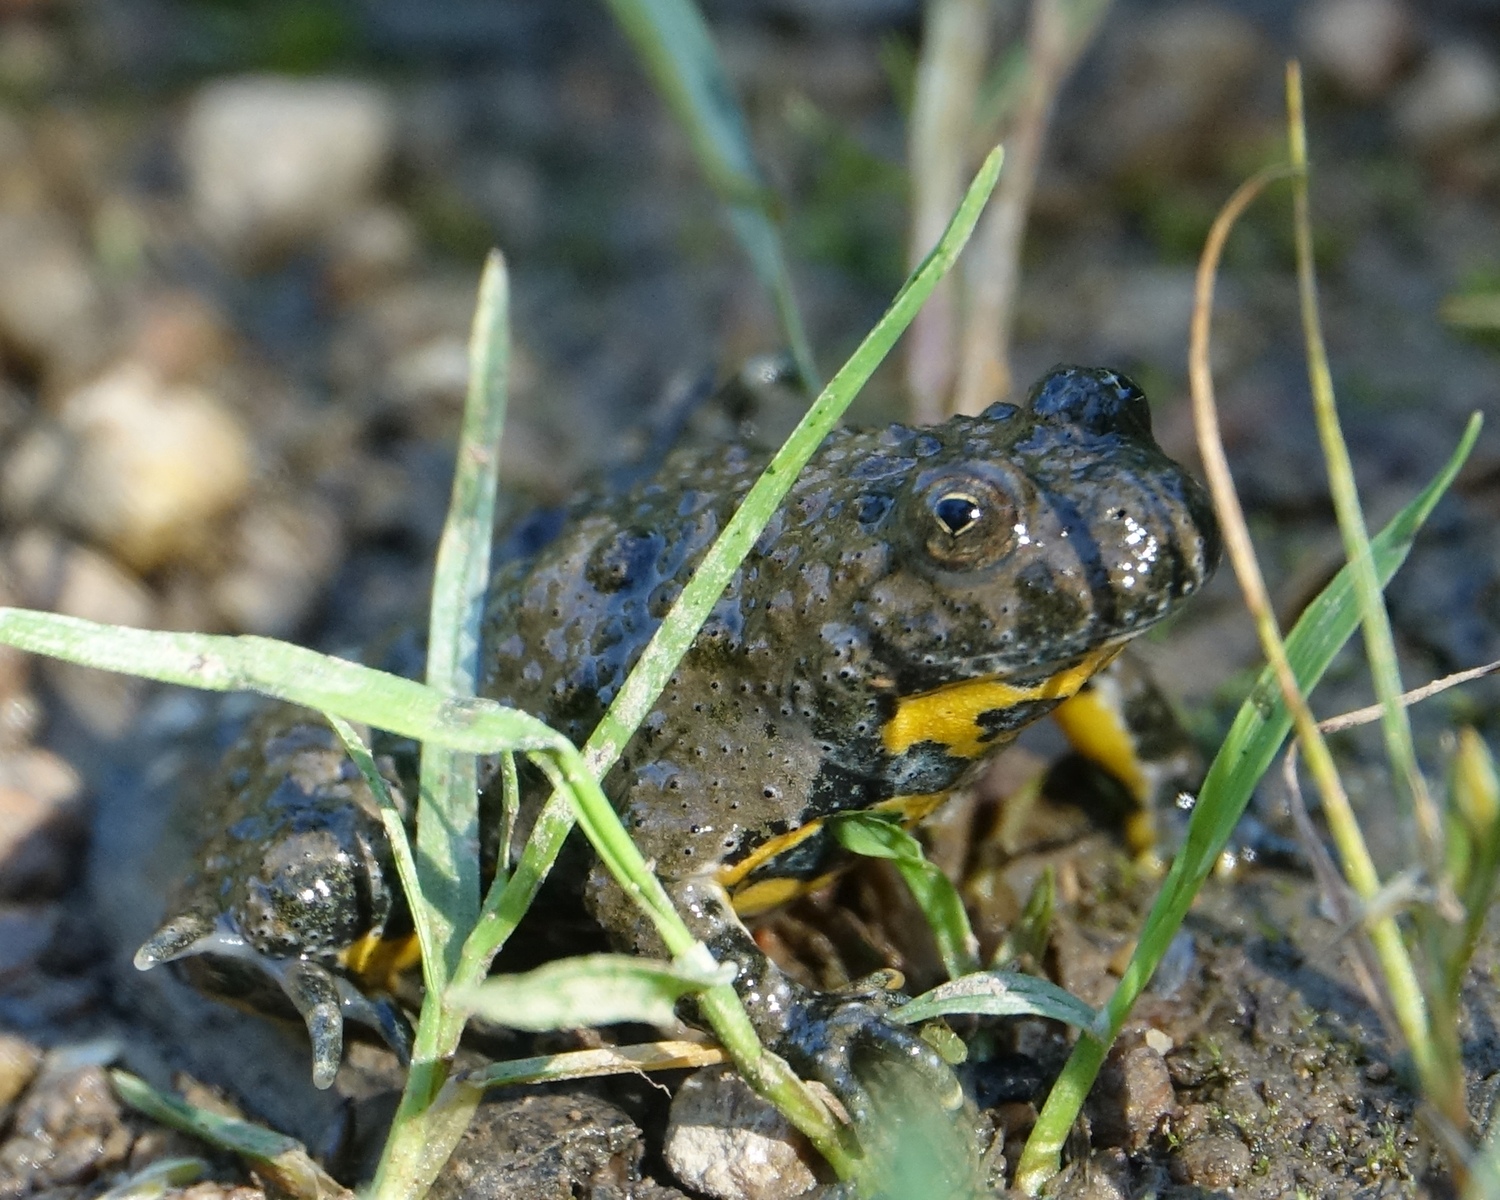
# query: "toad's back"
{"type": "Point", "coordinates": [920, 596]}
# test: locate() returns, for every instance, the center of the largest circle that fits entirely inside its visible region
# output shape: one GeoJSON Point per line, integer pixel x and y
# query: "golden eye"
{"type": "Point", "coordinates": [957, 511]}
{"type": "Point", "coordinates": [969, 521]}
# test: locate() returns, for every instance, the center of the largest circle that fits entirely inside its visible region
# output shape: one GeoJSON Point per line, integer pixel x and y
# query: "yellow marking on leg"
{"type": "Point", "coordinates": [950, 715]}
{"type": "Point", "coordinates": [1095, 727]}
{"type": "Point", "coordinates": [763, 895]}
{"type": "Point", "coordinates": [762, 854]}
{"type": "Point", "coordinates": [912, 808]}
{"type": "Point", "coordinates": [376, 961]}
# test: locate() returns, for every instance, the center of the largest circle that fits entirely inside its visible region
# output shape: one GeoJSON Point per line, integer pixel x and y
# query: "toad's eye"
{"type": "Point", "coordinates": [957, 512]}
{"type": "Point", "coordinates": [970, 521]}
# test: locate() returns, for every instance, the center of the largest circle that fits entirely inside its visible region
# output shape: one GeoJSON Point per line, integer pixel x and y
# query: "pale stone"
{"type": "Point", "coordinates": [1360, 45]}
{"type": "Point", "coordinates": [729, 1143]}
{"type": "Point", "coordinates": [1454, 98]}
{"type": "Point", "coordinates": [50, 301]}
{"type": "Point", "coordinates": [155, 465]}
{"type": "Point", "coordinates": [283, 554]}
{"type": "Point", "coordinates": [273, 162]}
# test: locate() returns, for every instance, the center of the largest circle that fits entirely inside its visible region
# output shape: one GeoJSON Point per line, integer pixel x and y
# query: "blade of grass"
{"type": "Point", "coordinates": [681, 624]}
{"type": "Point", "coordinates": [1380, 647]}
{"type": "Point", "coordinates": [1001, 994]}
{"type": "Point", "coordinates": [217, 663]}
{"type": "Point", "coordinates": [674, 43]}
{"type": "Point", "coordinates": [874, 836]}
{"type": "Point", "coordinates": [395, 831]}
{"type": "Point", "coordinates": [282, 1161]}
{"type": "Point", "coordinates": [448, 814]}
{"type": "Point", "coordinates": [584, 1064]}
{"type": "Point", "coordinates": [596, 989]}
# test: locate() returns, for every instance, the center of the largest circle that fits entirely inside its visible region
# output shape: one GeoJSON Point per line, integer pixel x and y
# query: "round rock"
{"type": "Point", "coordinates": [273, 163]}
{"type": "Point", "coordinates": [1454, 98]}
{"type": "Point", "coordinates": [727, 1142]}
{"type": "Point", "coordinates": [1360, 45]}
{"type": "Point", "coordinates": [151, 465]}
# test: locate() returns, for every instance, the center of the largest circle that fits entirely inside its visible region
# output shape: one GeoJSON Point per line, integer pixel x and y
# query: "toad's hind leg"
{"type": "Point", "coordinates": [1131, 758]}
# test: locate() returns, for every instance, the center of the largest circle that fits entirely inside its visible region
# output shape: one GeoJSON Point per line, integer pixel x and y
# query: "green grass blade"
{"type": "Point", "coordinates": [581, 993]}
{"type": "Point", "coordinates": [216, 663]}
{"type": "Point", "coordinates": [876, 837]}
{"type": "Point", "coordinates": [678, 52]}
{"type": "Point", "coordinates": [584, 1064]}
{"type": "Point", "coordinates": [448, 813]}
{"type": "Point", "coordinates": [1252, 742]}
{"type": "Point", "coordinates": [1002, 994]}
{"type": "Point", "coordinates": [681, 624]}
{"type": "Point", "coordinates": [282, 1161]}
{"type": "Point", "coordinates": [395, 832]}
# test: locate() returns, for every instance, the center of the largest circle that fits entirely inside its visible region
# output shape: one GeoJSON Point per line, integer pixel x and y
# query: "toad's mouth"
{"type": "Point", "coordinates": [958, 716]}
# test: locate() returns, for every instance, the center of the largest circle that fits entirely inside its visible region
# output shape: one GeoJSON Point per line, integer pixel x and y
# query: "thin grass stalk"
{"type": "Point", "coordinates": [1380, 646]}
{"type": "Point", "coordinates": [1407, 999]}
{"type": "Point", "coordinates": [950, 72]}
{"type": "Point", "coordinates": [448, 813]}
{"type": "Point", "coordinates": [678, 52]}
{"type": "Point", "coordinates": [446, 904]}
{"type": "Point", "coordinates": [1059, 31]}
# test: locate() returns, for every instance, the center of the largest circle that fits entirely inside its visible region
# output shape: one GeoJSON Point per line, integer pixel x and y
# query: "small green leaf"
{"type": "Point", "coordinates": [1001, 994]}
{"type": "Point", "coordinates": [1029, 934]}
{"type": "Point", "coordinates": [597, 989]}
{"type": "Point", "coordinates": [876, 836]}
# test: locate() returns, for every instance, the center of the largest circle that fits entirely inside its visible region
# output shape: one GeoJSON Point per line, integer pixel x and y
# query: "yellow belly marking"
{"type": "Point", "coordinates": [950, 715]}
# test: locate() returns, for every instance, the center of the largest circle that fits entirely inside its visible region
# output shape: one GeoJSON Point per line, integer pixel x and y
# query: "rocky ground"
{"type": "Point", "coordinates": [238, 252]}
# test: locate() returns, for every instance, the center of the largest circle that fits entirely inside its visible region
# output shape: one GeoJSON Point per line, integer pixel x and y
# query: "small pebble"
{"type": "Point", "coordinates": [1212, 1161]}
{"type": "Point", "coordinates": [1361, 45]}
{"type": "Point", "coordinates": [728, 1142]}
{"type": "Point", "coordinates": [68, 1129]}
{"type": "Point", "coordinates": [1454, 98]}
{"type": "Point", "coordinates": [42, 823]}
{"type": "Point", "coordinates": [282, 555]}
{"type": "Point", "coordinates": [19, 1061]}
{"type": "Point", "coordinates": [273, 163]}
{"type": "Point", "coordinates": [1135, 1092]}
{"type": "Point", "coordinates": [50, 301]}
{"type": "Point", "coordinates": [156, 465]}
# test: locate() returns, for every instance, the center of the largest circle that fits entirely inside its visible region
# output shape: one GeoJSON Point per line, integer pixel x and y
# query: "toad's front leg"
{"type": "Point", "coordinates": [840, 1039]}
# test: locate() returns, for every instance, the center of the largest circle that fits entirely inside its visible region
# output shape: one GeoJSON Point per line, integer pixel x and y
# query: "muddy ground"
{"type": "Point", "coordinates": [227, 397]}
